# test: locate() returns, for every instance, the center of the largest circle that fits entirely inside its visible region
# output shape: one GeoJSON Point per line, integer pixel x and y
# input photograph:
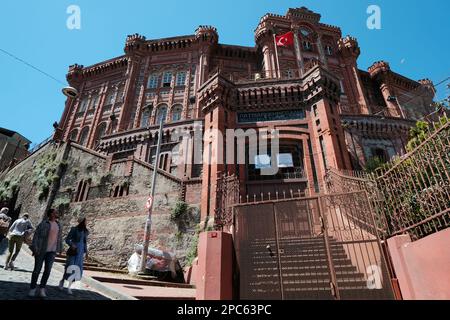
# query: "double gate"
{"type": "Point", "coordinates": [323, 247]}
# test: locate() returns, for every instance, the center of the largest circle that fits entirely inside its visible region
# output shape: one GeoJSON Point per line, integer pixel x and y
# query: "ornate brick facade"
{"type": "Point", "coordinates": [329, 113]}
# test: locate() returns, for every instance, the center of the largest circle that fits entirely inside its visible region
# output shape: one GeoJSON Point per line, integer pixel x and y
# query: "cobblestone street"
{"type": "Point", "coordinates": [14, 285]}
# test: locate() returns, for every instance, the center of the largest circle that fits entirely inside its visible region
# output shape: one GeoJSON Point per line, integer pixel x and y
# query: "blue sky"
{"type": "Point", "coordinates": [414, 38]}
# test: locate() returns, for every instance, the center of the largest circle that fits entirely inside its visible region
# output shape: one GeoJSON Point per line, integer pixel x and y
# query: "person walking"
{"type": "Point", "coordinates": [47, 241]}
{"type": "Point", "coordinates": [77, 242]}
{"type": "Point", "coordinates": [17, 233]}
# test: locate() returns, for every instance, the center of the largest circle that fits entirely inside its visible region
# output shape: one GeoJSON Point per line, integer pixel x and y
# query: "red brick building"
{"type": "Point", "coordinates": [329, 113]}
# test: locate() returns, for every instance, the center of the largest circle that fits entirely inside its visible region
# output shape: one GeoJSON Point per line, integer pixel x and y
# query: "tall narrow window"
{"type": "Point", "coordinates": [111, 98]}
{"type": "Point", "coordinates": [83, 105]}
{"type": "Point", "coordinates": [323, 150]}
{"type": "Point", "coordinates": [161, 114]}
{"type": "Point", "coordinates": [145, 119]}
{"type": "Point", "coordinates": [181, 78]}
{"type": "Point", "coordinates": [94, 102]}
{"type": "Point", "coordinates": [328, 50]}
{"type": "Point", "coordinates": [101, 131]}
{"type": "Point", "coordinates": [167, 79]}
{"type": "Point", "coordinates": [176, 112]}
{"type": "Point", "coordinates": [73, 135]}
{"type": "Point", "coordinates": [84, 136]}
{"type": "Point", "coordinates": [152, 81]}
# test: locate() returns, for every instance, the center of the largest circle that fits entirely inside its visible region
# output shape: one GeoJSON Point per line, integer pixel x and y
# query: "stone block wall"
{"type": "Point", "coordinates": [116, 224]}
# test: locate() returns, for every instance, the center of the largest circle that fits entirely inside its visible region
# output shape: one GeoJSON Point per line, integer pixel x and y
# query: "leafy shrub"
{"type": "Point", "coordinates": [178, 210]}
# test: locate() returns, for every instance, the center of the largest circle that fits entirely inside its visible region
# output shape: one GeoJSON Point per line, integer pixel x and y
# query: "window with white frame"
{"type": "Point", "coordinates": [181, 78]}
{"type": "Point", "coordinates": [152, 81]}
{"type": "Point", "coordinates": [167, 79]}
{"type": "Point", "coordinates": [328, 50]}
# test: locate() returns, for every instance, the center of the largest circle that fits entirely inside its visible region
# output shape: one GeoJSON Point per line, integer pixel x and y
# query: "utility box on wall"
{"type": "Point", "coordinates": [215, 266]}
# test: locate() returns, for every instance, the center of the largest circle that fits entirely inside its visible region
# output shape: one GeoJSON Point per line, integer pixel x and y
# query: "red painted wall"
{"type": "Point", "coordinates": [422, 267]}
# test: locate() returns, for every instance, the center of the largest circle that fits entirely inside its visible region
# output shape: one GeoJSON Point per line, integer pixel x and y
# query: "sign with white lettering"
{"type": "Point", "coordinates": [250, 117]}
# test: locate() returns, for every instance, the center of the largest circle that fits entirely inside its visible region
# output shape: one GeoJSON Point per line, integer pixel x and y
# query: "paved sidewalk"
{"type": "Point", "coordinates": [14, 285]}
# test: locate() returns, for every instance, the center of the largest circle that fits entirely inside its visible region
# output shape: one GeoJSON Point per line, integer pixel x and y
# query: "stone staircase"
{"type": "Point", "coordinates": [305, 271]}
{"type": "Point", "coordinates": [142, 287]}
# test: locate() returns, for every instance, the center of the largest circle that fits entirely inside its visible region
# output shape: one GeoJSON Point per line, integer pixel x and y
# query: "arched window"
{"type": "Point", "coordinates": [328, 50]}
{"type": "Point", "coordinates": [167, 79]}
{"type": "Point", "coordinates": [145, 119]}
{"type": "Point", "coordinates": [181, 78]}
{"type": "Point", "coordinates": [84, 136]}
{"type": "Point", "coordinates": [101, 131]}
{"type": "Point", "coordinates": [307, 45]}
{"type": "Point", "coordinates": [152, 81]}
{"type": "Point", "coordinates": [82, 191]}
{"type": "Point", "coordinates": [176, 112]}
{"type": "Point", "coordinates": [73, 135]}
{"type": "Point", "coordinates": [161, 114]}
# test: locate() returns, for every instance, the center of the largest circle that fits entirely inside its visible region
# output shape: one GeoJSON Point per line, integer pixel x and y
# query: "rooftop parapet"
{"type": "Point", "coordinates": [207, 33]}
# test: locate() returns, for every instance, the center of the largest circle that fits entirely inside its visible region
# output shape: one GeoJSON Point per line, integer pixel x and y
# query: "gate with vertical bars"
{"type": "Point", "coordinates": [322, 247]}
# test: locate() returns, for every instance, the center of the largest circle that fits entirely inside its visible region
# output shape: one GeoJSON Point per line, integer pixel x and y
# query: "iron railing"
{"type": "Point", "coordinates": [410, 194]}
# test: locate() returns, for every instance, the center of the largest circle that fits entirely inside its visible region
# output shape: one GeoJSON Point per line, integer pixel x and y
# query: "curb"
{"type": "Point", "coordinates": [97, 285]}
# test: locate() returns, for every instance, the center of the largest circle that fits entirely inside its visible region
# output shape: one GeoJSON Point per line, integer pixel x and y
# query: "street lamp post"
{"type": "Point", "coordinates": [148, 223]}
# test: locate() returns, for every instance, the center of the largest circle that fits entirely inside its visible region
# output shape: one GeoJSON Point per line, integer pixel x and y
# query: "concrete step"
{"type": "Point", "coordinates": [302, 256]}
{"type": "Point", "coordinates": [295, 240]}
{"type": "Point", "coordinates": [103, 269]}
{"type": "Point", "coordinates": [335, 250]}
{"type": "Point", "coordinates": [306, 268]}
{"type": "Point", "coordinates": [309, 283]}
{"type": "Point", "coordinates": [147, 281]}
{"type": "Point", "coordinates": [312, 261]}
{"type": "Point", "coordinates": [288, 276]}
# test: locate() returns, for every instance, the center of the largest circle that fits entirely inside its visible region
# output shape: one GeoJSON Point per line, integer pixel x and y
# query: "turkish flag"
{"type": "Point", "coordinates": [285, 40]}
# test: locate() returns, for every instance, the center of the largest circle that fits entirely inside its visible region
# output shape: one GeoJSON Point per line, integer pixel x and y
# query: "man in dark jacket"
{"type": "Point", "coordinates": [47, 241]}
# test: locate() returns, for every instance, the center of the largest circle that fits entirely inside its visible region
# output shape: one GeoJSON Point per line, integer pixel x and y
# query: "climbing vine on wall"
{"type": "Point", "coordinates": [45, 173]}
{"type": "Point", "coordinates": [9, 186]}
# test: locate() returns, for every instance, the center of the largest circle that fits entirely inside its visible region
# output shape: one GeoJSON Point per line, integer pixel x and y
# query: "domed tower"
{"type": "Point", "coordinates": [349, 52]}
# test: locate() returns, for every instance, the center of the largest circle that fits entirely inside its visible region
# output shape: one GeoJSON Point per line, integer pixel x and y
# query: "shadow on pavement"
{"type": "Point", "coordinates": [16, 269]}
{"type": "Point", "coordinates": [19, 291]}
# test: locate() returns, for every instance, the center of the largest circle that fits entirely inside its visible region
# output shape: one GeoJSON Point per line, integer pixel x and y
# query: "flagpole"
{"type": "Point", "coordinates": [276, 57]}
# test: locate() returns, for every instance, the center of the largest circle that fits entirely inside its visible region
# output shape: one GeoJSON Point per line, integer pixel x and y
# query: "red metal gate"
{"type": "Point", "coordinates": [323, 247]}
